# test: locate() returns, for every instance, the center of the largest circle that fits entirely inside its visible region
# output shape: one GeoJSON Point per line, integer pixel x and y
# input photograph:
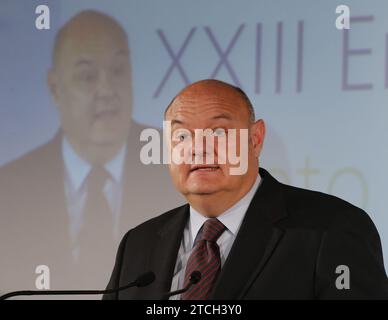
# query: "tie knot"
{"type": "Point", "coordinates": [97, 178]}
{"type": "Point", "coordinates": [212, 229]}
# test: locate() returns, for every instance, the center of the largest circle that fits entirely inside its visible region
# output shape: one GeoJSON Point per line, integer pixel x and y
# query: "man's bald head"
{"type": "Point", "coordinates": [214, 89]}
{"type": "Point", "coordinates": [87, 26]}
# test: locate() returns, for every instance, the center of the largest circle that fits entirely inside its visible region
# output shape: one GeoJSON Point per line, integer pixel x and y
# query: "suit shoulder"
{"type": "Point", "coordinates": [33, 160]}
{"type": "Point", "coordinates": [319, 210]}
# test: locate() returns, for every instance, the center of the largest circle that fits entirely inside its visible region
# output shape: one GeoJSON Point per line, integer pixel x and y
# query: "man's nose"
{"type": "Point", "coordinates": [201, 148]}
{"type": "Point", "coordinates": [104, 85]}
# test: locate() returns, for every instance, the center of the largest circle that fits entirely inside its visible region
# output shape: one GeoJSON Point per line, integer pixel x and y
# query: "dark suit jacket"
{"type": "Point", "coordinates": [34, 220]}
{"type": "Point", "coordinates": [289, 246]}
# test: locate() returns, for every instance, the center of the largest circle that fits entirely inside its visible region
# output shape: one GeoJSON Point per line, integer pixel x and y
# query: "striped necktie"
{"type": "Point", "coordinates": [205, 258]}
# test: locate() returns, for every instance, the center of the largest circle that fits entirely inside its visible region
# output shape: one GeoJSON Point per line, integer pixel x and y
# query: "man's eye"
{"type": "Point", "coordinates": [182, 136]}
{"type": "Point", "coordinates": [219, 132]}
{"type": "Point", "coordinates": [87, 76]}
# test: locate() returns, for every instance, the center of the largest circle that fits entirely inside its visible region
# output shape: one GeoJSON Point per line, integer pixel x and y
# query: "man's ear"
{"type": "Point", "coordinates": [52, 83]}
{"type": "Point", "coordinates": [257, 136]}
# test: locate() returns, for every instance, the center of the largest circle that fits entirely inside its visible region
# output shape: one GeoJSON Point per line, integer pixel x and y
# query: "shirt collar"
{"type": "Point", "coordinates": [116, 166]}
{"type": "Point", "coordinates": [78, 169]}
{"type": "Point", "coordinates": [231, 218]}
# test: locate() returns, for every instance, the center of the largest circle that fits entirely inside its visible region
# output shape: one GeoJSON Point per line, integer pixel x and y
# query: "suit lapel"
{"type": "Point", "coordinates": [163, 258]}
{"type": "Point", "coordinates": [128, 199]}
{"type": "Point", "coordinates": [43, 206]}
{"type": "Point", "coordinates": [55, 198]}
{"type": "Point", "coordinates": [255, 241]}
{"type": "Point", "coordinates": [133, 210]}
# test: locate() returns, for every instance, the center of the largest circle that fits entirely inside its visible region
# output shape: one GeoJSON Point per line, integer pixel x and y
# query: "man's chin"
{"type": "Point", "coordinates": [107, 139]}
{"type": "Point", "coordinates": [203, 190]}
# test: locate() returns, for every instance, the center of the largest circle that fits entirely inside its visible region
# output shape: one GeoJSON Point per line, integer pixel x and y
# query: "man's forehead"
{"type": "Point", "coordinates": [91, 34]}
{"type": "Point", "coordinates": [84, 40]}
{"type": "Point", "coordinates": [92, 23]}
{"type": "Point", "coordinates": [195, 105]}
{"type": "Point", "coordinates": [209, 89]}
{"type": "Point", "coordinates": [209, 105]}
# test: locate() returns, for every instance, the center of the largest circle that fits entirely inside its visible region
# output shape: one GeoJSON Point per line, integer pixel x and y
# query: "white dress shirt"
{"type": "Point", "coordinates": [231, 218]}
{"type": "Point", "coordinates": [76, 172]}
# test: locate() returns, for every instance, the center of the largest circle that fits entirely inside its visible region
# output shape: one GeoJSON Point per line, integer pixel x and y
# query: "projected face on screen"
{"type": "Point", "coordinates": [90, 82]}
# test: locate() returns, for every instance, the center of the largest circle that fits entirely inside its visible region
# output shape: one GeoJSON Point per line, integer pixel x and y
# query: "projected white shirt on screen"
{"type": "Point", "coordinates": [76, 172]}
{"type": "Point", "coordinates": [231, 219]}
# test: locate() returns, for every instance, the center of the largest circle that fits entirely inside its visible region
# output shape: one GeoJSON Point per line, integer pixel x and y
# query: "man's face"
{"type": "Point", "coordinates": [220, 112]}
{"type": "Point", "coordinates": [91, 83]}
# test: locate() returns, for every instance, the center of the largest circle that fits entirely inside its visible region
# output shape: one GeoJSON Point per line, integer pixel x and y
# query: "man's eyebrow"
{"type": "Point", "coordinates": [222, 116]}
{"type": "Point", "coordinates": [83, 62]}
{"type": "Point", "coordinates": [175, 121]}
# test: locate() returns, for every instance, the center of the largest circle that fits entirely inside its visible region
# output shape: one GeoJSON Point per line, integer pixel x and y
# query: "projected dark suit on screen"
{"type": "Point", "coordinates": [67, 203]}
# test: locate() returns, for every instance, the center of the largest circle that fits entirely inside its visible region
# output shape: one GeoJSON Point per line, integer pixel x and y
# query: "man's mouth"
{"type": "Point", "coordinates": [204, 168]}
{"type": "Point", "coordinates": [106, 113]}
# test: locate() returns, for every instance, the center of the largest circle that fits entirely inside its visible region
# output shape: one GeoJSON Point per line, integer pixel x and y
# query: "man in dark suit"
{"type": "Point", "coordinates": [68, 203]}
{"type": "Point", "coordinates": [250, 236]}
